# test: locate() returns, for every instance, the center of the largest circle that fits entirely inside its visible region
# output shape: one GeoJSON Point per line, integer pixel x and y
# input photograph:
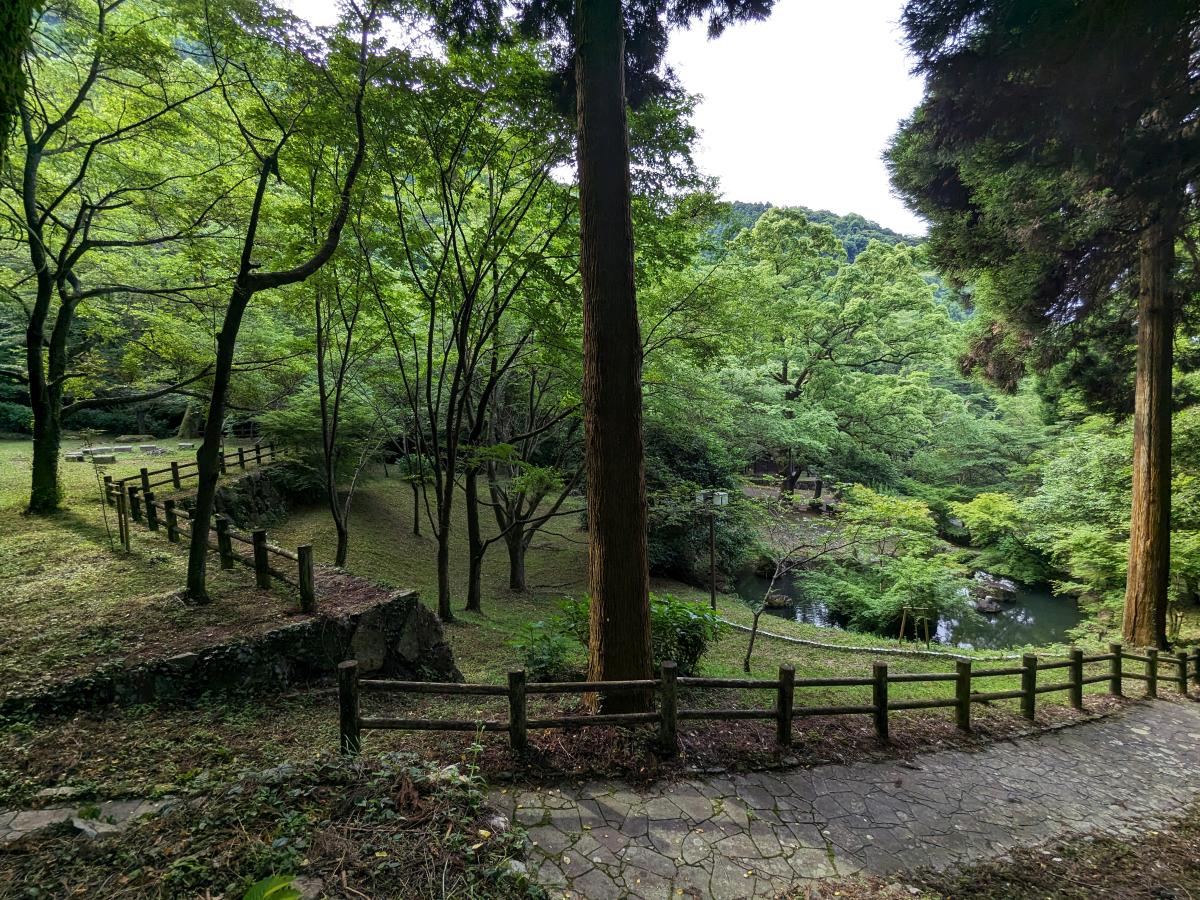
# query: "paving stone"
{"type": "Point", "coordinates": [759, 834]}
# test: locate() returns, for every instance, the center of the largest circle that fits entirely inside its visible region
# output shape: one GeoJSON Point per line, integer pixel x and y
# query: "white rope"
{"type": "Point", "coordinates": [889, 651]}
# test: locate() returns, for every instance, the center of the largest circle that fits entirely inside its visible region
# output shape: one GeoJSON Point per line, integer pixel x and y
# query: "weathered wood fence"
{"type": "Point", "coordinates": [177, 473]}
{"type": "Point", "coordinates": [135, 500]}
{"type": "Point", "coordinates": [784, 711]}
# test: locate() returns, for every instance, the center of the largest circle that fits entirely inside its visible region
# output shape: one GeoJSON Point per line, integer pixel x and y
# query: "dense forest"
{"type": "Point", "coordinates": [220, 222]}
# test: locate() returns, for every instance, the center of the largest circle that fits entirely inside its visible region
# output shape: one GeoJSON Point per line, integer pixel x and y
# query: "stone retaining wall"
{"type": "Point", "coordinates": [397, 637]}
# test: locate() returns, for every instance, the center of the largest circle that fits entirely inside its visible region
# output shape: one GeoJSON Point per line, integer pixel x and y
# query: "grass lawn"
{"type": "Point", "coordinates": [73, 599]}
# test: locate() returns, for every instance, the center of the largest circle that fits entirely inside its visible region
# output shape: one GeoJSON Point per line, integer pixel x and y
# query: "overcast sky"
{"type": "Point", "coordinates": [796, 109]}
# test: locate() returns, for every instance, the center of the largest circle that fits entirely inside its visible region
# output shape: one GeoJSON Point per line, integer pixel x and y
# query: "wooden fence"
{"type": "Point", "coordinates": [177, 473]}
{"type": "Point", "coordinates": [135, 501]}
{"type": "Point", "coordinates": [668, 714]}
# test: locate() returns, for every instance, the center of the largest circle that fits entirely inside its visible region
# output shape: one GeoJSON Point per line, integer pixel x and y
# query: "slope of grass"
{"type": "Point", "coordinates": [74, 599]}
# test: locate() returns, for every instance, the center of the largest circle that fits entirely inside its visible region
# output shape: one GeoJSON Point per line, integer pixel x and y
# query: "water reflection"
{"type": "Point", "coordinates": [1033, 616]}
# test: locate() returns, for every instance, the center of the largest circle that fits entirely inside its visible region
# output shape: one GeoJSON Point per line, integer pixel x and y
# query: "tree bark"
{"type": "Point", "coordinates": [618, 578]}
{"type": "Point", "coordinates": [208, 468]}
{"type": "Point", "coordinates": [416, 529]}
{"type": "Point", "coordinates": [445, 613]}
{"type": "Point", "coordinates": [475, 545]}
{"type": "Point", "coordinates": [516, 543]}
{"type": "Point", "coordinates": [1145, 623]}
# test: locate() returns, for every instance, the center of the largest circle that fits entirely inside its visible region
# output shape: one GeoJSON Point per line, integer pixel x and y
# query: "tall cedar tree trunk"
{"type": "Point", "coordinates": [475, 545]}
{"type": "Point", "coordinates": [1150, 519]}
{"type": "Point", "coordinates": [618, 578]}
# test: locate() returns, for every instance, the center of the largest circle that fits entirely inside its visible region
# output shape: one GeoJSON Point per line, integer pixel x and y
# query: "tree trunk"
{"type": "Point", "coordinates": [1150, 519]}
{"type": "Point", "coordinates": [208, 469]}
{"type": "Point", "coordinates": [618, 578]}
{"type": "Point", "coordinates": [343, 542]}
{"type": "Point", "coordinates": [187, 425]}
{"type": "Point", "coordinates": [416, 509]}
{"type": "Point", "coordinates": [45, 493]}
{"type": "Point", "coordinates": [475, 547]}
{"type": "Point", "coordinates": [445, 613]}
{"type": "Point", "coordinates": [515, 541]}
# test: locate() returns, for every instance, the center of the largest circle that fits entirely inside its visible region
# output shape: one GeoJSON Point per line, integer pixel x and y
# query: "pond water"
{"type": "Point", "coordinates": [1033, 616]}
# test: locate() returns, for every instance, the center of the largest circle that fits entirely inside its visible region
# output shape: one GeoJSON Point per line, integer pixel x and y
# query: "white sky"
{"type": "Point", "coordinates": [797, 109]}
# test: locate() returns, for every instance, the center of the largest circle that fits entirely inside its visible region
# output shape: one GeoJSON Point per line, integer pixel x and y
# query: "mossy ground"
{"type": "Point", "coordinates": [73, 599]}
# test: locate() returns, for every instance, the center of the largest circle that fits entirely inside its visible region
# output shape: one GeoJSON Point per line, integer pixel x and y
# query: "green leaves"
{"type": "Point", "coordinates": [275, 887]}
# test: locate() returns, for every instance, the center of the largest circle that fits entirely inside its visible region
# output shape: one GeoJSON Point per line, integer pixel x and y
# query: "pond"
{"type": "Point", "coordinates": [1033, 616]}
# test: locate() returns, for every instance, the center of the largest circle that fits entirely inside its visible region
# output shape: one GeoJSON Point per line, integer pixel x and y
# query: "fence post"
{"type": "Point", "coordinates": [1196, 666]}
{"type": "Point", "coordinates": [1076, 692]}
{"type": "Point", "coordinates": [258, 454]}
{"type": "Point", "coordinates": [175, 480]}
{"type": "Point", "coordinates": [123, 519]}
{"type": "Point", "coordinates": [224, 542]}
{"type": "Point", "coordinates": [271, 451]}
{"type": "Point", "coordinates": [1152, 672]}
{"type": "Point", "coordinates": [1028, 685]}
{"type": "Point", "coordinates": [151, 511]}
{"type": "Point", "coordinates": [962, 693]}
{"type": "Point", "coordinates": [308, 592]}
{"type": "Point", "coordinates": [242, 457]}
{"type": "Point", "coordinates": [145, 481]}
{"type": "Point", "coordinates": [172, 527]}
{"type": "Point", "coordinates": [668, 727]}
{"type": "Point", "coordinates": [348, 706]}
{"type": "Point", "coordinates": [1114, 670]}
{"type": "Point", "coordinates": [1182, 658]}
{"type": "Point", "coordinates": [783, 705]}
{"type": "Point", "coordinates": [262, 565]}
{"type": "Point", "coordinates": [221, 459]}
{"type": "Point", "coordinates": [108, 491]}
{"type": "Point", "coordinates": [135, 508]}
{"type": "Point", "coordinates": [879, 698]}
{"type": "Point", "coordinates": [516, 710]}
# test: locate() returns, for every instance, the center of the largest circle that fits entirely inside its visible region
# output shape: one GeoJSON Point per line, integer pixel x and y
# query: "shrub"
{"type": "Point", "coordinates": [680, 630]}
{"type": "Point", "coordinates": [545, 652]}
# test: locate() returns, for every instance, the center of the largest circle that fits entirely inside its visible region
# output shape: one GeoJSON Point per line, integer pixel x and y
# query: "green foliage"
{"type": "Point", "coordinates": [884, 555]}
{"type": "Point", "coordinates": [680, 630]}
{"type": "Point", "coordinates": [274, 887]}
{"type": "Point", "coordinates": [998, 523]}
{"type": "Point", "coordinates": [546, 652]}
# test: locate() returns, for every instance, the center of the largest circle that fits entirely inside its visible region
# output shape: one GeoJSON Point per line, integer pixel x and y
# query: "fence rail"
{"type": "Point", "coordinates": [784, 711]}
{"type": "Point", "coordinates": [180, 472]}
{"type": "Point", "coordinates": [135, 500]}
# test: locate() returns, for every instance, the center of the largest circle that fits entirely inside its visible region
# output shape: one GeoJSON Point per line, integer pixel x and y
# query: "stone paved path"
{"type": "Point", "coordinates": [752, 835]}
{"type": "Point", "coordinates": [103, 818]}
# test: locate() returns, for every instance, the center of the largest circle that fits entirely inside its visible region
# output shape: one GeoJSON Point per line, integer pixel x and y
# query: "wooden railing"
{"type": "Point", "coordinates": [135, 501]}
{"type": "Point", "coordinates": [668, 714]}
{"type": "Point", "coordinates": [178, 472]}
